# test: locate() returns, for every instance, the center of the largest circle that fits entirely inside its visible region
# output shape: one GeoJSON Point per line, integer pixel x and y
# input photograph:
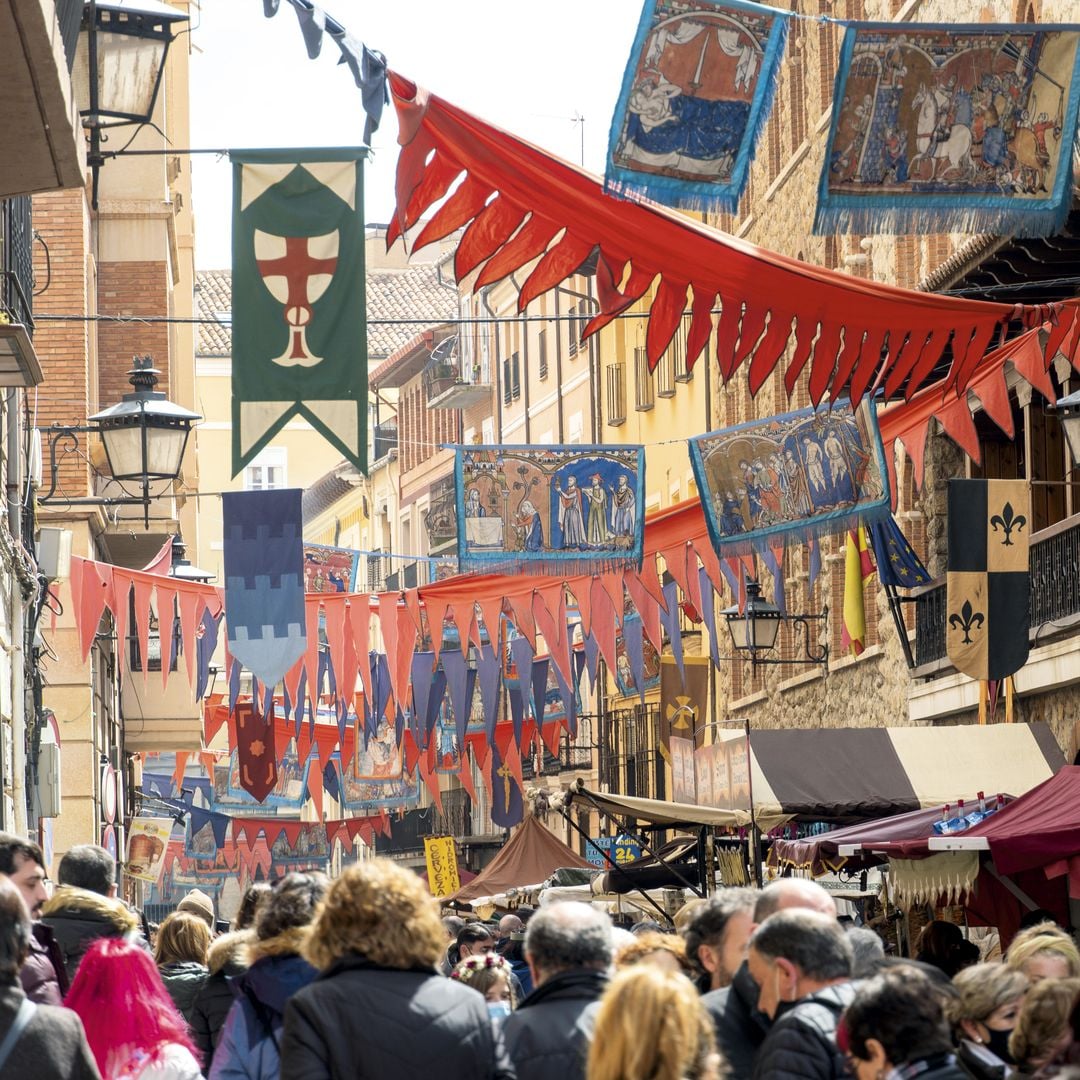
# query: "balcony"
{"type": "Point", "coordinates": [19, 364]}
{"type": "Point", "coordinates": [441, 521]}
{"type": "Point", "coordinates": [1054, 604]}
{"type": "Point", "coordinates": [452, 380]}
{"type": "Point", "coordinates": [384, 440]}
{"type": "Point", "coordinates": [39, 122]}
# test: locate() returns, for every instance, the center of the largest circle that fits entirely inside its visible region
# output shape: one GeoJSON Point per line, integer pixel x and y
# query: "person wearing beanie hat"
{"type": "Point", "coordinates": [198, 903]}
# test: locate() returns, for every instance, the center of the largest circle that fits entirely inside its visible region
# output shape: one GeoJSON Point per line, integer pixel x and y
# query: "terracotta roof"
{"type": "Point", "coordinates": [412, 292]}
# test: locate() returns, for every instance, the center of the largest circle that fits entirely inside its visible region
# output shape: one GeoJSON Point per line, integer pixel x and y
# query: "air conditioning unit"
{"type": "Point", "coordinates": [382, 506]}
{"type": "Point", "coordinates": [54, 553]}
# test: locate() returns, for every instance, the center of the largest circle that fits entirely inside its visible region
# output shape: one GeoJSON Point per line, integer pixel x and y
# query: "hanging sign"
{"type": "Point", "coordinates": [951, 129]}
{"type": "Point", "coordinates": [147, 840]}
{"type": "Point", "coordinates": [694, 101]}
{"type": "Point", "coordinates": [442, 866]}
{"type": "Point", "coordinates": [298, 317]}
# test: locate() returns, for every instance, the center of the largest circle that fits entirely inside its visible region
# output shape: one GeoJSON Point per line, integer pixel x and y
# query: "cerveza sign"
{"type": "Point", "coordinates": [621, 849]}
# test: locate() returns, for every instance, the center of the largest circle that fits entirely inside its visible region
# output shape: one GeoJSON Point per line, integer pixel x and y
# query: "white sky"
{"type": "Point", "coordinates": [526, 67]}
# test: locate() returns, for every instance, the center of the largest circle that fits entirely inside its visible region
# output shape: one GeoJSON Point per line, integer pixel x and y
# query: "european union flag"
{"type": "Point", "coordinates": [897, 563]}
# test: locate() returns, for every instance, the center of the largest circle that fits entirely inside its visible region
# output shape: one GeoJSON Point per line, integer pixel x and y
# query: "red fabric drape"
{"type": "Point", "coordinates": [515, 199]}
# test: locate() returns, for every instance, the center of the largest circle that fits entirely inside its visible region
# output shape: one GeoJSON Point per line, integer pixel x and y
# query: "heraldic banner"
{"type": "Point", "coordinates": [804, 474]}
{"type": "Point", "coordinates": [298, 319]}
{"type": "Point", "coordinates": [986, 631]}
{"type": "Point", "coordinates": [951, 129]}
{"type": "Point", "coordinates": [550, 509]}
{"type": "Point", "coordinates": [694, 100]}
{"type": "Point", "coordinates": [684, 703]}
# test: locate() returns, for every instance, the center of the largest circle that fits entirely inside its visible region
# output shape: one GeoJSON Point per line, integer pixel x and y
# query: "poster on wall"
{"type": "Point", "coordinates": [147, 840]}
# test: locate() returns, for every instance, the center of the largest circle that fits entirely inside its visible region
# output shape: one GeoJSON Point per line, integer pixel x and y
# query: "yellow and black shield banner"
{"type": "Point", "coordinates": [684, 701]}
{"type": "Point", "coordinates": [986, 622]}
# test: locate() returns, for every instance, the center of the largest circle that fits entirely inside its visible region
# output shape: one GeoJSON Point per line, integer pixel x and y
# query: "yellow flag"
{"type": "Point", "coordinates": [442, 866]}
{"type": "Point", "coordinates": [857, 568]}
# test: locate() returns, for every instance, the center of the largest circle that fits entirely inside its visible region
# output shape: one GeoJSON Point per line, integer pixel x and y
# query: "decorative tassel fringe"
{"type": "Point", "coordinates": [572, 565]}
{"type": "Point", "coordinates": [949, 876]}
{"type": "Point", "coordinates": [758, 543]}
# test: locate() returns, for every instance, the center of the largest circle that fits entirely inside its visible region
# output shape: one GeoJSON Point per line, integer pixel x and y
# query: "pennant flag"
{"type": "Point", "coordinates": [569, 700]}
{"type": "Point", "coordinates": [461, 682]}
{"type": "Point", "coordinates": [264, 582]}
{"type": "Point", "coordinates": [634, 651]}
{"type": "Point", "coordinates": [517, 708]}
{"type": "Point", "coordinates": [857, 569]}
{"type": "Point", "coordinates": [670, 619]}
{"type": "Point", "coordinates": [256, 751]}
{"type": "Point", "coordinates": [570, 509]}
{"type": "Point", "coordinates": [695, 98]}
{"type": "Point", "coordinates": [507, 807]}
{"type": "Point", "coordinates": [946, 128]}
{"type": "Point", "coordinates": [489, 676]}
{"type": "Point", "coordinates": [539, 682]}
{"type": "Point", "coordinates": [422, 681]}
{"type": "Point", "coordinates": [802, 474]}
{"type": "Point", "coordinates": [684, 701]}
{"type": "Point", "coordinates": [299, 326]}
{"type": "Point", "coordinates": [987, 589]}
{"type": "Point", "coordinates": [708, 614]}
{"type": "Point", "coordinates": [897, 563]}
{"type": "Point", "coordinates": [434, 706]}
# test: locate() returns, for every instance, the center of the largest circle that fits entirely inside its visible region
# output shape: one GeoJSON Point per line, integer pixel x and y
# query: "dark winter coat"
{"type": "Point", "coordinates": [228, 957]}
{"type": "Point", "coordinates": [944, 1070]}
{"type": "Point", "coordinates": [801, 1044]}
{"type": "Point", "coordinates": [250, 1041]}
{"type": "Point", "coordinates": [43, 976]}
{"type": "Point", "coordinates": [980, 1063]}
{"type": "Point", "coordinates": [52, 1045]}
{"type": "Point", "coordinates": [548, 1036]}
{"type": "Point", "coordinates": [740, 1027]}
{"type": "Point", "coordinates": [78, 917]}
{"type": "Point", "coordinates": [184, 980]}
{"type": "Point", "coordinates": [416, 1025]}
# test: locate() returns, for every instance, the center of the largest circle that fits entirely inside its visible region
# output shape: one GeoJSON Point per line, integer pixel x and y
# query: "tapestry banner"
{"type": "Point", "coordinates": [695, 97]}
{"type": "Point", "coordinates": [987, 585]}
{"type": "Point", "coordinates": [550, 509]}
{"type": "Point", "coordinates": [800, 475]}
{"type": "Point", "coordinates": [951, 129]}
{"type": "Point", "coordinates": [298, 317]}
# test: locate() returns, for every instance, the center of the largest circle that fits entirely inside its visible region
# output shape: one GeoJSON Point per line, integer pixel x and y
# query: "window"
{"type": "Point", "coordinates": [543, 350]}
{"type": "Point", "coordinates": [683, 373]}
{"type": "Point", "coordinates": [645, 395]}
{"type": "Point", "coordinates": [515, 376]}
{"type": "Point", "coordinates": [487, 429]}
{"type": "Point", "coordinates": [267, 472]}
{"type": "Point", "coordinates": [508, 390]}
{"type": "Point", "coordinates": [574, 329]}
{"type": "Point", "coordinates": [616, 393]}
{"type": "Point", "coordinates": [665, 370]}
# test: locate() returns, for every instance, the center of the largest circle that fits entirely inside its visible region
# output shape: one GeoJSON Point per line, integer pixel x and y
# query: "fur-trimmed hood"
{"type": "Point", "coordinates": [230, 951]}
{"type": "Point", "coordinates": [69, 902]}
{"type": "Point", "coordinates": [288, 943]}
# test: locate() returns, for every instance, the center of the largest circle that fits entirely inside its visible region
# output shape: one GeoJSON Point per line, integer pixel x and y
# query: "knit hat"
{"type": "Point", "coordinates": [198, 903]}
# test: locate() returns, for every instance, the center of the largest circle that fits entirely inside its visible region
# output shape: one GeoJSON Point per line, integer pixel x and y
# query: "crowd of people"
{"type": "Point", "coordinates": [360, 977]}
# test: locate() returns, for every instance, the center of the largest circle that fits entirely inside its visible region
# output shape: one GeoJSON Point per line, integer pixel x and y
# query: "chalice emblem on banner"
{"type": "Point", "coordinates": [296, 270]}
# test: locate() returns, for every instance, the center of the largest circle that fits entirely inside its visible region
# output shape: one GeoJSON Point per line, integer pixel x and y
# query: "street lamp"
{"type": "Point", "coordinates": [754, 630]}
{"type": "Point", "coordinates": [182, 568]}
{"type": "Point", "coordinates": [144, 436]}
{"type": "Point", "coordinates": [118, 74]}
{"type": "Point", "coordinates": [1069, 410]}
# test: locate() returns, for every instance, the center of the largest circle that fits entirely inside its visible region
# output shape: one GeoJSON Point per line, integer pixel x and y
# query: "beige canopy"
{"type": "Point", "coordinates": [654, 811]}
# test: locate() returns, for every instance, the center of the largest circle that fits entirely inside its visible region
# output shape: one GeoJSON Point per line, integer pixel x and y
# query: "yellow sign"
{"type": "Point", "coordinates": [442, 868]}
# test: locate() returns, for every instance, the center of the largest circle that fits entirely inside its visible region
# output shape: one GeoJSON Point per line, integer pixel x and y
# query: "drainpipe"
{"type": "Point", "coordinates": [498, 409]}
{"type": "Point", "coordinates": [18, 612]}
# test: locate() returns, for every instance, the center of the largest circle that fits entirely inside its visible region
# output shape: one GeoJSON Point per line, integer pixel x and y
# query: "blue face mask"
{"type": "Point", "coordinates": [498, 1010]}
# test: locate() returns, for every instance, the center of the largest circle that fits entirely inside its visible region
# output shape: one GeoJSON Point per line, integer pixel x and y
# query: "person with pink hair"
{"type": "Point", "coordinates": [134, 1030]}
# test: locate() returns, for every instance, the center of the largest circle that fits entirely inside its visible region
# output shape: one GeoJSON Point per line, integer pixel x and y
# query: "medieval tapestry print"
{"type": "Point", "coordinates": [950, 129]}
{"type": "Point", "coordinates": [550, 509]}
{"type": "Point", "coordinates": [298, 318]}
{"type": "Point", "coordinates": [694, 100]}
{"type": "Point", "coordinates": [799, 475]}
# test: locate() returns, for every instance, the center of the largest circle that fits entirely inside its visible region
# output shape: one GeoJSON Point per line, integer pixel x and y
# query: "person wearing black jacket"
{"type": "Point", "coordinates": [376, 941]}
{"type": "Point", "coordinates": [801, 961]}
{"type": "Point", "coordinates": [568, 950]}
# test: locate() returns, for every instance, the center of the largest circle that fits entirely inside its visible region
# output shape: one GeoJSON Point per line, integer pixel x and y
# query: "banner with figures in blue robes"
{"type": "Point", "coordinates": [697, 91]}
{"type": "Point", "coordinates": [550, 509]}
{"type": "Point", "coordinates": [791, 477]}
{"type": "Point", "coordinates": [951, 128]}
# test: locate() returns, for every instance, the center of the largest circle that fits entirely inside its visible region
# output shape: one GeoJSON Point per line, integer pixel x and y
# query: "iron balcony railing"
{"type": "Point", "coordinates": [17, 277]}
{"type": "Point", "coordinates": [69, 14]}
{"type": "Point", "coordinates": [1054, 568]}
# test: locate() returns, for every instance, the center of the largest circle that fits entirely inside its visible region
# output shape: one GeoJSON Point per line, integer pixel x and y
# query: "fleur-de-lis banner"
{"type": "Point", "coordinates": [987, 604]}
{"type": "Point", "coordinates": [298, 317]}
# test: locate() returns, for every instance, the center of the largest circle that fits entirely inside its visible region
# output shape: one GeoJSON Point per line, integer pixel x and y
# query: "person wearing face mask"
{"type": "Point", "coordinates": [491, 975]}
{"type": "Point", "coordinates": [983, 1015]}
{"type": "Point", "coordinates": [801, 961]}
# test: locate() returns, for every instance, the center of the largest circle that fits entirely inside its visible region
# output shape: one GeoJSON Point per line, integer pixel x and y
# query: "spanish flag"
{"type": "Point", "coordinates": [857, 568]}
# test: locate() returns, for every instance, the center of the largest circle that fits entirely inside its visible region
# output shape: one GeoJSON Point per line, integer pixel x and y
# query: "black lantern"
{"type": "Point", "coordinates": [120, 65]}
{"type": "Point", "coordinates": [144, 436]}
{"type": "Point", "coordinates": [182, 568]}
{"type": "Point", "coordinates": [1068, 409]}
{"type": "Point", "coordinates": [754, 629]}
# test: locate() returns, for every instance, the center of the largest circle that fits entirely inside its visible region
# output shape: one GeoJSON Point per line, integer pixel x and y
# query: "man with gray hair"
{"type": "Point", "coordinates": [35, 1040]}
{"type": "Point", "coordinates": [717, 934]}
{"type": "Point", "coordinates": [802, 962]}
{"type": "Point", "coordinates": [740, 1026]}
{"type": "Point", "coordinates": [568, 950]}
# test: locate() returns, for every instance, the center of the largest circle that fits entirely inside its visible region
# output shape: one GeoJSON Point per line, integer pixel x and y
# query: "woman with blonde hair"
{"type": "Point", "coordinates": [376, 940]}
{"type": "Point", "coordinates": [180, 951]}
{"type": "Point", "coordinates": [665, 951]}
{"type": "Point", "coordinates": [1043, 1031]}
{"type": "Point", "coordinates": [1044, 951]}
{"type": "Point", "coordinates": [652, 1026]}
{"type": "Point", "coordinates": [983, 1014]}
